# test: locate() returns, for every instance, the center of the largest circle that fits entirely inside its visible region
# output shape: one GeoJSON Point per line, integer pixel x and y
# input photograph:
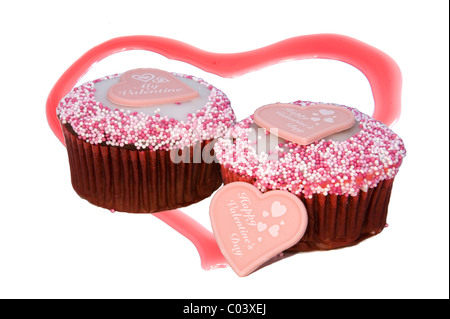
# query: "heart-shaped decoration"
{"type": "Point", "coordinates": [247, 237]}
{"type": "Point", "coordinates": [146, 87]}
{"type": "Point", "coordinates": [261, 226]}
{"type": "Point", "coordinates": [147, 77]}
{"type": "Point", "coordinates": [143, 77]}
{"type": "Point", "coordinates": [273, 230]}
{"type": "Point", "coordinates": [278, 209]}
{"type": "Point", "coordinates": [304, 124]}
{"type": "Point", "coordinates": [326, 112]}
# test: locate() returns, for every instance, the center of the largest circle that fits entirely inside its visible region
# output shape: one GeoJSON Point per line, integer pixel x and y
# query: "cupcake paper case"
{"type": "Point", "coordinates": [344, 180]}
{"type": "Point", "coordinates": [144, 158]}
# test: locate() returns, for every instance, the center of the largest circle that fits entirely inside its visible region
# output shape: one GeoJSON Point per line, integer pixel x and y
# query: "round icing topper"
{"type": "Point", "coordinates": [251, 227]}
{"type": "Point", "coordinates": [146, 87]}
{"type": "Point", "coordinates": [303, 124]}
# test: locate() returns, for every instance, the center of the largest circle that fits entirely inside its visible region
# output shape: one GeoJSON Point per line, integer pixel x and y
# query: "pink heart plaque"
{"type": "Point", "coordinates": [251, 227]}
{"type": "Point", "coordinates": [146, 87]}
{"type": "Point", "coordinates": [304, 124]}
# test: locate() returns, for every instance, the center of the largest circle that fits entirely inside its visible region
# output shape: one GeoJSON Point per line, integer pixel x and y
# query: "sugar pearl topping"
{"type": "Point", "coordinates": [372, 154]}
{"type": "Point", "coordinates": [97, 123]}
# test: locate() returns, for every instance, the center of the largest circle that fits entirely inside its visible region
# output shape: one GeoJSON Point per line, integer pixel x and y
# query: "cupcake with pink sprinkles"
{"type": "Point", "coordinates": [140, 142]}
{"type": "Point", "coordinates": [340, 162]}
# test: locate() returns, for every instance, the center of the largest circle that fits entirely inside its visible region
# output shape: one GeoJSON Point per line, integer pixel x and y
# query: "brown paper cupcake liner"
{"type": "Point", "coordinates": [336, 221]}
{"type": "Point", "coordinates": [137, 181]}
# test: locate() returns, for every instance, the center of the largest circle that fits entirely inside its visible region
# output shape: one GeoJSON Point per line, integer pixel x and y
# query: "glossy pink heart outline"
{"type": "Point", "coordinates": [381, 71]}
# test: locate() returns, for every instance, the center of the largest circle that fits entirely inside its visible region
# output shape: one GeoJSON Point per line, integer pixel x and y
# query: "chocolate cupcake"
{"type": "Point", "coordinates": [340, 162]}
{"type": "Point", "coordinates": [141, 142]}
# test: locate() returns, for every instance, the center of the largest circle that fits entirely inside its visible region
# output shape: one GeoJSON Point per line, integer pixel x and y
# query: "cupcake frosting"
{"type": "Point", "coordinates": [342, 164]}
{"type": "Point", "coordinates": [97, 120]}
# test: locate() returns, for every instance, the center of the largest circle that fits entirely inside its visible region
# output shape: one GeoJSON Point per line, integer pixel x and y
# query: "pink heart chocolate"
{"type": "Point", "coordinates": [251, 227]}
{"type": "Point", "coordinates": [145, 87]}
{"type": "Point", "coordinates": [304, 124]}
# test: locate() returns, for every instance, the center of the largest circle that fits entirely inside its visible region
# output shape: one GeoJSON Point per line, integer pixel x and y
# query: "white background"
{"type": "Point", "coordinates": [55, 245]}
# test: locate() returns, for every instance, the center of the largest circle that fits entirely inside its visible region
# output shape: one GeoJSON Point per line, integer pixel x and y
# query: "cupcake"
{"type": "Point", "coordinates": [141, 142]}
{"type": "Point", "coordinates": [340, 162]}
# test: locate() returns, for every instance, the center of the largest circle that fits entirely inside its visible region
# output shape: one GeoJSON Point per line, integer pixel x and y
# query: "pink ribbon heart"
{"type": "Point", "coordinates": [382, 72]}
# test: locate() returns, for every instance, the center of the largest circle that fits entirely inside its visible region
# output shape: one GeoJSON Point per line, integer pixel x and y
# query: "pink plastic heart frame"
{"type": "Point", "coordinates": [381, 70]}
